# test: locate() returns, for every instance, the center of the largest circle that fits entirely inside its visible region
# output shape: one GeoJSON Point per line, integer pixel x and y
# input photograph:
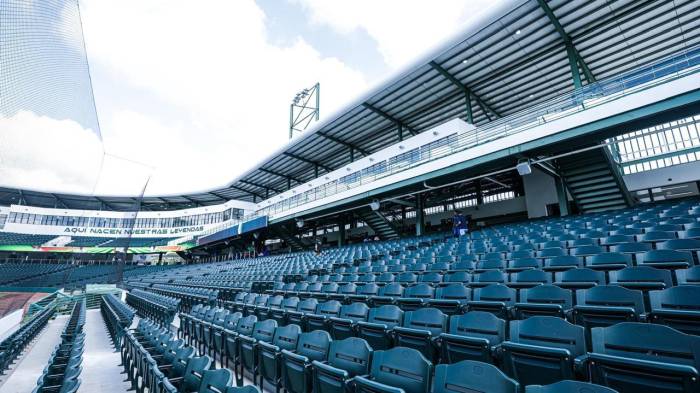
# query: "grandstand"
{"type": "Point", "coordinates": [565, 135]}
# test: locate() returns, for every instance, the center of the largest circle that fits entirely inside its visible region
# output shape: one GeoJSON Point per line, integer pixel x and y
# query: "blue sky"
{"type": "Point", "coordinates": [190, 95]}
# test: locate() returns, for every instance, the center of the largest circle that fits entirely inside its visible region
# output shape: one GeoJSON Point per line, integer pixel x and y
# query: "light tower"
{"type": "Point", "coordinates": [304, 109]}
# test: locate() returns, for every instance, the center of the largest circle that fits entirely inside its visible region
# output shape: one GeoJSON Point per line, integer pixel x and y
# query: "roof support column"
{"type": "Point", "coordinates": [575, 74]}
{"type": "Point", "coordinates": [479, 193]}
{"type": "Point", "coordinates": [470, 113]}
{"type": "Point", "coordinates": [352, 155]}
{"type": "Point", "coordinates": [316, 171]}
{"type": "Point", "coordinates": [561, 196]}
{"type": "Point", "coordinates": [289, 184]}
{"type": "Point", "coordinates": [420, 215]}
{"type": "Point", "coordinates": [400, 130]}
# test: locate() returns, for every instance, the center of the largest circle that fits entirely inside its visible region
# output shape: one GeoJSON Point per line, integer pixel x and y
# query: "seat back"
{"type": "Point", "coordinates": [428, 318]}
{"type": "Point", "coordinates": [668, 359]}
{"type": "Point", "coordinates": [568, 387]}
{"type": "Point", "coordinates": [314, 345]}
{"type": "Point", "coordinates": [355, 312]}
{"type": "Point", "coordinates": [388, 315]}
{"type": "Point", "coordinates": [264, 330]}
{"type": "Point", "coordinates": [543, 300]}
{"type": "Point", "coordinates": [542, 349]}
{"type": "Point", "coordinates": [215, 381]}
{"type": "Point", "coordinates": [677, 307]}
{"type": "Point", "coordinates": [351, 354]}
{"type": "Point", "coordinates": [472, 376]}
{"type": "Point", "coordinates": [192, 379]}
{"type": "Point", "coordinates": [404, 368]}
{"type": "Point", "coordinates": [605, 305]}
{"type": "Point", "coordinates": [286, 337]}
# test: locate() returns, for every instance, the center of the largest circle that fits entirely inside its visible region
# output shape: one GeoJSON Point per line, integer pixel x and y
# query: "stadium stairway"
{"type": "Point", "coordinates": [22, 375]}
{"type": "Point", "coordinates": [594, 181]}
{"type": "Point", "coordinates": [379, 224]}
{"type": "Point", "coordinates": [101, 370]}
{"type": "Point", "coordinates": [286, 235]}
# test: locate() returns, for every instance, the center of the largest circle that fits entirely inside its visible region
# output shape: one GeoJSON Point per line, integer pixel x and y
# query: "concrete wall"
{"type": "Point", "coordinates": [540, 191]}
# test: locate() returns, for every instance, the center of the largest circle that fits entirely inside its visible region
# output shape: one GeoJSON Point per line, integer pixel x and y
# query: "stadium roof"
{"type": "Point", "coordinates": [523, 53]}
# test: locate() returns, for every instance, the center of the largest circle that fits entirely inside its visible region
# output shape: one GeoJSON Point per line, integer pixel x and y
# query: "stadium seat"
{"type": "Point", "coordinates": [666, 259]}
{"type": "Point", "coordinates": [542, 350]}
{"type": "Point", "coordinates": [248, 348]}
{"type": "Point", "coordinates": [380, 322]}
{"type": "Point", "coordinates": [496, 299]}
{"type": "Point", "coordinates": [269, 361]}
{"type": "Point", "coordinates": [296, 374]}
{"type": "Point", "coordinates": [677, 307]}
{"type": "Point", "coordinates": [644, 357]}
{"type": "Point", "coordinates": [420, 330]}
{"type": "Point", "coordinates": [396, 370]}
{"type": "Point", "coordinates": [472, 336]}
{"type": "Point", "coordinates": [347, 359]}
{"type": "Point", "coordinates": [343, 326]}
{"type": "Point", "coordinates": [569, 387]}
{"type": "Point", "coordinates": [319, 319]}
{"type": "Point", "coordinates": [582, 278]}
{"type": "Point", "coordinates": [607, 305]}
{"type": "Point", "coordinates": [450, 299]}
{"type": "Point", "coordinates": [472, 376]}
{"type": "Point", "coordinates": [543, 300]}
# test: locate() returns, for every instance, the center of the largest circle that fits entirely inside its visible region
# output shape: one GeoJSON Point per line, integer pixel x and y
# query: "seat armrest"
{"type": "Point", "coordinates": [546, 351]}
{"type": "Point", "coordinates": [376, 386]}
{"type": "Point", "coordinates": [295, 357]}
{"type": "Point", "coordinates": [412, 332]}
{"type": "Point", "coordinates": [330, 370]}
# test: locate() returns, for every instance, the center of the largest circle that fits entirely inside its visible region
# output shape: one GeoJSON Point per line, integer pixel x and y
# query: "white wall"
{"type": "Point", "coordinates": [540, 191]}
{"type": "Point", "coordinates": [682, 173]}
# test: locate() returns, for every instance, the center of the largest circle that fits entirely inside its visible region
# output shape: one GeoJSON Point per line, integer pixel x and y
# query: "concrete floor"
{"type": "Point", "coordinates": [101, 370]}
{"type": "Point", "coordinates": [23, 375]}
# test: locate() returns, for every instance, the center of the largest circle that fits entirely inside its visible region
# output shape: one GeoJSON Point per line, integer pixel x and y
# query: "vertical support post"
{"type": "Point", "coordinates": [420, 215]}
{"type": "Point", "coordinates": [479, 193]}
{"type": "Point", "coordinates": [289, 184]}
{"type": "Point", "coordinates": [316, 171]}
{"type": "Point", "coordinates": [561, 196]}
{"type": "Point", "coordinates": [352, 155]}
{"type": "Point", "coordinates": [400, 130]}
{"type": "Point", "coordinates": [291, 120]}
{"type": "Point", "coordinates": [341, 232]}
{"type": "Point", "coordinates": [318, 100]}
{"type": "Point", "coordinates": [470, 113]}
{"type": "Point", "coordinates": [573, 64]}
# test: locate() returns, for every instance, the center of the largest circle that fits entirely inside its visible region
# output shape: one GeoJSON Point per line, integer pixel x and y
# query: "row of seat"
{"type": "Point", "coordinates": [117, 316]}
{"type": "Point", "coordinates": [15, 343]}
{"type": "Point", "coordinates": [151, 305]}
{"type": "Point", "coordinates": [61, 375]}
{"type": "Point", "coordinates": [541, 350]}
{"type": "Point", "coordinates": [157, 362]}
{"type": "Point", "coordinates": [598, 305]}
{"type": "Point", "coordinates": [188, 296]}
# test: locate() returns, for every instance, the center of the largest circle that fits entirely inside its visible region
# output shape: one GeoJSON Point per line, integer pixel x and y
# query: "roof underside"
{"type": "Point", "coordinates": [508, 65]}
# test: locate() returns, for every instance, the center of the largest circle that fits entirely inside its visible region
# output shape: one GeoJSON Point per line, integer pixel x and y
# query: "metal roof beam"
{"type": "Point", "coordinates": [296, 179]}
{"type": "Point", "coordinates": [247, 191]}
{"type": "Point", "coordinates": [389, 117]}
{"type": "Point", "coordinates": [260, 186]}
{"type": "Point", "coordinates": [469, 93]}
{"type": "Point", "coordinates": [59, 201]}
{"type": "Point", "coordinates": [223, 198]}
{"type": "Point", "coordinates": [306, 160]}
{"type": "Point", "coordinates": [196, 202]}
{"type": "Point", "coordinates": [346, 144]}
{"type": "Point", "coordinates": [571, 49]}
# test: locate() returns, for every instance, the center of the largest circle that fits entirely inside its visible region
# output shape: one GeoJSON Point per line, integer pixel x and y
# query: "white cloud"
{"type": "Point", "coordinates": [193, 94]}
{"type": "Point", "coordinates": [403, 29]}
{"type": "Point", "coordinates": [221, 90]}
{"type": "Point", "coordinates": [54, 155]}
